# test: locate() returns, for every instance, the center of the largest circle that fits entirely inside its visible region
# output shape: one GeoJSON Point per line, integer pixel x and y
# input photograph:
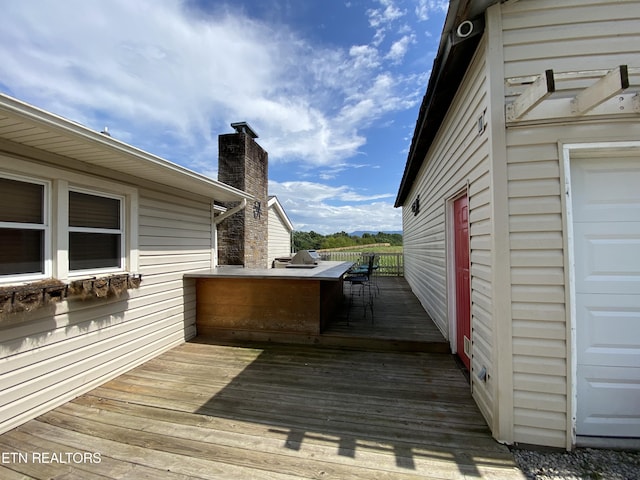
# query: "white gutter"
{"type": "Point", "coordinates": [156, 167]}
{"type": "Point", "coordinates": [228, 213]}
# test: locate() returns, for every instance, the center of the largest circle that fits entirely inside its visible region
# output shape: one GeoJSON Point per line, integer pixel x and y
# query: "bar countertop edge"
{"type": "Point", "coordinates": [325, 270]}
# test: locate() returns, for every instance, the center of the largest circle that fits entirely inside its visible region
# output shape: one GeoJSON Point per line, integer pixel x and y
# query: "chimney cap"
{"type": "Point", "coordinates": [243, 127]}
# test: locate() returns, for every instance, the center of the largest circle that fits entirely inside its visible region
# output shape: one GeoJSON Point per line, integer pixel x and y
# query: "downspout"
{"type": "Point", "coordinates": [228, 213]}
{"type": "Point", "coordinates": [217, 220]}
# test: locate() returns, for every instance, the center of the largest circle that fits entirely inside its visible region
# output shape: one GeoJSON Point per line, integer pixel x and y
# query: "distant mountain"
{"type": "Point", "coordinates": [359, 233]}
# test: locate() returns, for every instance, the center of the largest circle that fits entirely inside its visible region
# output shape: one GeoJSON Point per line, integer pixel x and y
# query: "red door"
{"type": "Point", "coordinates": [463, 289]}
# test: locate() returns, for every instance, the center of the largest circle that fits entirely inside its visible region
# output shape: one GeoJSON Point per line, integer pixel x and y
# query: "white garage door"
{"type": "Point", "coordinates": [606, 222]}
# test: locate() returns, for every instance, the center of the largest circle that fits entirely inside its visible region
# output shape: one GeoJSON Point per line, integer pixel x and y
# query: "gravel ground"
{"type": "Point", "coordinates": [581, 464]}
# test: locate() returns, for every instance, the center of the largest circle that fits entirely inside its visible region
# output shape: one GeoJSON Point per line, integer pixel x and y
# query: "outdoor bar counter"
{"type": "Point", "coordinates": [267, 304]}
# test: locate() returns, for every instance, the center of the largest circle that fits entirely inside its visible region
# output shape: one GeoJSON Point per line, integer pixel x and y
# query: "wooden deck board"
{"type": "Point", "coordinates": [397, 315]}
{"type": "Point", "coordinates": [271, 411]}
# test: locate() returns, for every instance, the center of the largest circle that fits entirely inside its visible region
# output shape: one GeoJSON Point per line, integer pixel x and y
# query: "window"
{"type": "Point", "coordinates": [24, 233]}
{"type": "Point", "coordinates": [95, 232]}
{"type": "Point", "coordinates": [61, 224]}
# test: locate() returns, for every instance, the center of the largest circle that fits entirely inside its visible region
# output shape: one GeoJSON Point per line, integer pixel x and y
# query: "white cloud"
{"type": "Point", "coordinates": [322, 208]}
{"type": "Point", "coordinates": [169, 81]}
{"type": "Point", "coordinates": [185, 78]}
{"type": "Point", "coordinates": [399, 48]}
{"type": "Point", "coordinates": [426, 7]}
{"type": "Point", "coordinates": [379, 98]}
{"type": "Point", "coordinates": [326, 219]}
{"type": "Point", "coordinates": [317, 192]}
{"type": "Point", "coordinates": [378, 17]}
{"type": "Point", "coordinates": [381, 19]}
{"type": "Point", "coordinates": [364, 56]}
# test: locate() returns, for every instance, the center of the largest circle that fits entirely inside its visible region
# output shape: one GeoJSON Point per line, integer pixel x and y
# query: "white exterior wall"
{"type": "Point", "coordinates": [49, 357]}
{"type": "Point", "coordinates": [565, 36]}
{"type": "Point", "coordinates": [459, 157]}
{"type": "Point", "coordinates": [279, 236]}
{"type": "Point", "coordinates": [522, 335]}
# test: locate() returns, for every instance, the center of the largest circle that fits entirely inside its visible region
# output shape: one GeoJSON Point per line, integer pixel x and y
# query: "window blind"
{"type": "Point", "coordinates": [22, 251]}
{"type": "Point", "coordinates": [21, 202]}
{"type": "Point", "coordinates": [93, 211]}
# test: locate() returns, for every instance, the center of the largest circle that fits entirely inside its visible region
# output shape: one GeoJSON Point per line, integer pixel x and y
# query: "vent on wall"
{"type": "Point", "coordinates": [467, 29]}
{"type": "Point", "coordinates": [467, 346]}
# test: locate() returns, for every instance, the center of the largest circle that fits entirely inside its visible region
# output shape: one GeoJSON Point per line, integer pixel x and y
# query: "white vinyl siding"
{"type": "Point", "coordinates": [564, 36]}
{"type": "Point", "coordinates": [574, 35]}
{"type": "Point", "coordinates": [541, 355]}
{"type": "Point", "coordinates": [279, 236]}
{"type": "Point", "coordinates": [54, 354]}
{"type": "Point", "coordinates": [526, 327]}
{"type": "Point", "coordinates": [459, 157]}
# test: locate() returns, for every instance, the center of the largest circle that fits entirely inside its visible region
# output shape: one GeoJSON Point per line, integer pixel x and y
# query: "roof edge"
{"type": "Point", "coordinates": [273, 201]}
{"type": "Point", "coordinates": [52, 121]}
{"type": "Point", "coordinates": [461, 34]}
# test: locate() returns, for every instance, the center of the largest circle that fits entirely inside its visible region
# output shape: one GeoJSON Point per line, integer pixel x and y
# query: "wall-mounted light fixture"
{"type": "Point", "coordinates": [257, 209]}
{"type": "Point", "coordinates": [415, 206]}
{"type": "Point", "coordinates": [482, 122]}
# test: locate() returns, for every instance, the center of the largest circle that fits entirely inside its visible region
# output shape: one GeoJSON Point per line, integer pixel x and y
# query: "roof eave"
{"type": "Point", "coordinates": [452, 61]}
{"type": "Point", "coordinates": [274, 202]}
{"type": "Point", "coordinates": [183, 177]}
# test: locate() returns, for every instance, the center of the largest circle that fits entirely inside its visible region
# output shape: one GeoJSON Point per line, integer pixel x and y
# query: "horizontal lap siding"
{"type": "Point", "coordinates": [183, 245]}
{"type": "Point", "coordinates": [458, 156]}
{"type": "Point", "coordinates": [46, 358]}
{"type": "Point", "coordinates": [538, 292]}
{"type": "Point", "coordinates": [568, 35]}
{"type": "Point", "coordinates": [279, 237]}
{"type": "Point", "coordinates": [563, 36]}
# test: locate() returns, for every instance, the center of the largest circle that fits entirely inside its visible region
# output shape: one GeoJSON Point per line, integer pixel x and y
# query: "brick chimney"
{"type": "Point", "coordinates": [242, 163]}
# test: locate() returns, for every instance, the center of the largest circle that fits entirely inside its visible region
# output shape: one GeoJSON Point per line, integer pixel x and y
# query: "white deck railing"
{"type": "Point", "coordinates": [390, 264]}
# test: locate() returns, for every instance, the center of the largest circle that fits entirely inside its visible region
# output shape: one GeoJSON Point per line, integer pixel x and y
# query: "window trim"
{"type": "Point", "coordinates": [45, 227]}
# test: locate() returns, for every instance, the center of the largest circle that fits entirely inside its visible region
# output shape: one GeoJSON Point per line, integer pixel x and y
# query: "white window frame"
{"type": "Point", "coordinates": [45, 226]}
{"type": "Point", "coordinates": [59, 181]}
{"type": "Point", "coordinates": [122, 231]}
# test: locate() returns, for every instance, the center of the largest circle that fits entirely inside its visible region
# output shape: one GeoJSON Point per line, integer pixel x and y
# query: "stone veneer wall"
{"type": "Point", "coordinates": [243, 237]}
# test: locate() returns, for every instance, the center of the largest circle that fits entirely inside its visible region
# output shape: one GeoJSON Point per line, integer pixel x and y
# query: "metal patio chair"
{"type": "Point", "coordinates": [360, 282]}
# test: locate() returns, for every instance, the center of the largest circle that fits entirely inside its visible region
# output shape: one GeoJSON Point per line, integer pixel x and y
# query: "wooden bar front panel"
{"type": "Point", "coordinates": [251, 304]}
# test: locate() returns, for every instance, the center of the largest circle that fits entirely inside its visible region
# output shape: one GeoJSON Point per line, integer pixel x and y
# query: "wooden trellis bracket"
{"type": "Point", "coordinates": [540, 89]}
{"type": "Point", "coordinates": [566, 95]}
{"type": "Point", "coordinates": [611, 84]}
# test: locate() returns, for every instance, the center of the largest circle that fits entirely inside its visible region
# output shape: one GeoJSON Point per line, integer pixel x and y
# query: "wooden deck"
{"type": "Point", "coordinates": [399, 323]}
{"type": "Point", "coordinates": [203, 410]}
{"type": "Point", "coordinates": [363, 400]}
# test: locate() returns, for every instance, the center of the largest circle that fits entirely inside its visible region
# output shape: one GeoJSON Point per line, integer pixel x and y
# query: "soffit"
{"type": "Point", "coordinates": [26, 125]}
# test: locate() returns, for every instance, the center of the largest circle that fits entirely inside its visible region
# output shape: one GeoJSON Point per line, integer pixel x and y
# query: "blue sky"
{"type": "Point", "coordinates": [332, 87]}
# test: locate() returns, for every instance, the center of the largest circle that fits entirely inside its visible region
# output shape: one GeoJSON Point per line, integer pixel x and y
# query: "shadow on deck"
{"type": "Point", "coordinates": [379, 401]}
{"type": "Point", "coordinates": [399, 322]}
{"type": "Point", "coordinates": [272, 412]}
